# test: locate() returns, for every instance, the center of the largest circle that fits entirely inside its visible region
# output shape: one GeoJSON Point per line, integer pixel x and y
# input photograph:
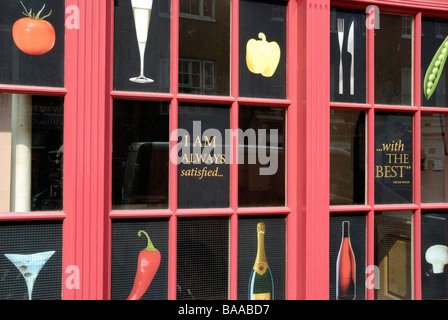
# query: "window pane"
{"type": "Point", "coordinates": [140, 160]}
{"type": "Point", "coordinates": [202, 258]}
{"type": "Point", "coordinates": [274, 244]}
{"type": "Point", "coordinates": [32, 251]}
{"type": "Point", "coordinates": [434, 254]}
{"type": "Point", "coordinates": [393, 255]}
{"type": "Point", "coordinates": [434, 32]}
{"type": "Point", "coordinates": [38, 61]}
{"type": "Point", "coordinates": [347, 257]}
{"type": "Point", "coordinates": [261, 159]}
{"type": "Point", "coordinates": [433, 158]}
{"type": "Point", "coordinates": [190, 7]}
{"type": "Point", "coordinates": [347, 55]}
{"type": "Point", "coordinates": [204, 158]}
{"type": "Point", "coordinates": [130, 238]}
{"type": "Point", "coordinates": [393, 60]}
{"type": "Point", "coordinates": [142, 51]}
{"type": "Point", "coordinates": [262, 27]}
{"type": "Point", "coordinates": [347, 157]}
{"type": "Point", "coordinates": [31, 141]}
{"type": "Point", "coordinates": [197, 28]}
{"type": "Point", "coordinates": [393, 158]}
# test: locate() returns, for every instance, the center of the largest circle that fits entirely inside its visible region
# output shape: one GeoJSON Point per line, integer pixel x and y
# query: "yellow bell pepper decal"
{"type": "Point", "coordinates": [262, 56]}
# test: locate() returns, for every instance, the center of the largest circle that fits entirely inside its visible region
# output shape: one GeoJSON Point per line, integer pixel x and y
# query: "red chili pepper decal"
{"type": "Point", "coordinates": [148, 263]}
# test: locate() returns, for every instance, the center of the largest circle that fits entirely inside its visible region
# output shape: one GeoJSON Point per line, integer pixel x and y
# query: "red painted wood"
{"type": "Point", "coordinates": [84, 139]}
{"type": "Point", "coordinates": [87, 137]}
{"type": "Point", "coordinates": [312, 137]}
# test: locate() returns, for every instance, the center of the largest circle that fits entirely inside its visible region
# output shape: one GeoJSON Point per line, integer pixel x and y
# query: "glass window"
{"type": "Point", "coordinates": [31, 140]}
{"type": "Point", "coordinates": [204, 69]}
{"type": "Point", "coordinates": [139, 244]}
{"type": "Point", "coordinates": [141, 46]}
{"type": "Point", "coordinates": [393, 60]}
{"type": "Point", "coordinates": [347, 56]}
{"type": "Point", "coordinates": [261, 159]}
{"type": "Point", "coordinates": [347, 257]}
{"type": "Point", "coordinates": [433, 158]}
{"type": "Point", "coordinates": [197, 9]}
{"type": "Point", "coordinates": [258, 248]}
{"type": "Point", "coordinates": [204, 158]}
{"type": "Point", "coordinates": [262, 49]}
{"type": "Point", "coordinates": [393, 255]}
{"type": "Point", "coordinates": [140, 164]}
{"type": "Point", "coordinates": [434, 35]}
{"type": "Point", "coordinates": [31, 260]}
{"type": "Point", "coordinates": [202, 258]}
{"type": "Point", "coordinates": [434, 254]}
{"type": "Point", "coordinates": [172, 154]}
{"type": "Point", "coordinates": [393, 158]}
{"type": "Point", "coordinates": [347, 157]}
{"type": "Point", "coordinates": [37, 60]}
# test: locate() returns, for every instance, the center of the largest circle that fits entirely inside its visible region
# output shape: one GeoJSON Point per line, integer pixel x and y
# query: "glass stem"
{"type": "Point", "coordinates": [142, 48]}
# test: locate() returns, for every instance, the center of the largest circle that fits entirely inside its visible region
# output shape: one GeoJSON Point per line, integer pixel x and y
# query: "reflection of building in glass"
{"type": "Point", "coordinates": [31, 135]}
{"type": "Point", "coordinates": [433, 155]}
{"type": "Point", "coordinates": [393, 60]}
{"type": "Point", "coordinates": [194, 9]}
{"type": "Point", "coordinates": [204, 71]}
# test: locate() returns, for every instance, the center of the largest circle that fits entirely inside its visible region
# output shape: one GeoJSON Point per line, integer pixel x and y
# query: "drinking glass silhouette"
{"type": "Point", "coordinates": [29, 266]}
{"type": "Point", "coordinates": [142, 16]}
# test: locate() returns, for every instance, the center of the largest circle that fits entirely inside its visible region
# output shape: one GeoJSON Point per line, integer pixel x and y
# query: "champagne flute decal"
{"type": "Point", "coordinates": [346, 267]}
{"type": "Point", "coordinates": [142, 16]}
{"type": "Point", "coordinates": [29, 266]}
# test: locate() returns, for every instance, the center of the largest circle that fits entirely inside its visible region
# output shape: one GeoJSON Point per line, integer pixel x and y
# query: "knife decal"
{"type": "Point", "coordinates": [351, 50]}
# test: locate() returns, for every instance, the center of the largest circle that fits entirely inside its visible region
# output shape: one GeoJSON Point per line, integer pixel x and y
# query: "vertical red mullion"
{"type": "Point", "coordinates": [84, 122]}
{"type": "Point", "coordinates": [108, 151]}
{"type": "Point", "coordinates": [234, 124]}
{"type": "Point", "coordinates": [370, 257]}
{"type": "Point", "coordinates": [292, 150]}
{"type": "Point", "coordinates": [174, 67]}
{"type": "Point", "coordinates": [417, 146]}
{"type": "Point", "coordinates": [70, 155]}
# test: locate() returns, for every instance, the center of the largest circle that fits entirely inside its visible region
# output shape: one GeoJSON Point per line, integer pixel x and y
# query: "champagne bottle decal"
{"type": "Point", "coordinates": [261, 286]}
{"type": "Point", "coordinates": [346, 267]}
{"type": "Point", "coordinates": [261, 263]}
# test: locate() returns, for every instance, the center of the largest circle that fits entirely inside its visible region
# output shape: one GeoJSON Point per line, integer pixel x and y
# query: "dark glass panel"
{"type": "Point", "coordinates": [140, 161]}
{"type": "Point", "coordinates": [202, 258]}
{"type": "Point", "coordinates": [393, 60]}
{"type": "Point", "coordinates": [393, 158]}
{"type": "Point", "coordinates": [150, 40]}
{"type": "Point", "coordinates": [347, 55]}
{"type": "Point", "coordinates": [261, 159]}
{"type": "Point", "coordinates": [40, 59]}
{"type": "Point", "coordinates": [262, 28]}
{"type": "Point", "coordinates": [347, 157]}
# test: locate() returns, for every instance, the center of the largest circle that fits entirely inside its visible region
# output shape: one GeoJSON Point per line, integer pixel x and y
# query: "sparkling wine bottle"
{"type": "Point", "coordinates": [261, 285]}
{"type": "Point", "coordinates": [346, 267]}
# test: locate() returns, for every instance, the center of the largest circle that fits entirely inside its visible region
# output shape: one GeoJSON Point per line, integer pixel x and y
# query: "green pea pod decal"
{"type": "Point", "coordinates": [435, 69]}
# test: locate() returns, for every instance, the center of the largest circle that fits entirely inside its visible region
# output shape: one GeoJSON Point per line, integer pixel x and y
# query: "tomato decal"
{"type": "Point", "coordinates": [32, 34]}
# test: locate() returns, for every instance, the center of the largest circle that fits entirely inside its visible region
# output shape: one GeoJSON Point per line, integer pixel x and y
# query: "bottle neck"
{"type": "Point", "coordinates": [261, 263]}
{"type": "Point", "coordinates": [346, 229]}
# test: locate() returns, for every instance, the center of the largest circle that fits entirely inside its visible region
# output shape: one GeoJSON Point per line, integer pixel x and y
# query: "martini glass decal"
{"type": "Point", "coordinates": [29, 266]}
{"type": "Point", "coordinates": [142, 16]}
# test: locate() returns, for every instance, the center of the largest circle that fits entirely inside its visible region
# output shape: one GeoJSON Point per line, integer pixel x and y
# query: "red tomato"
{"type": "Point", "coordinates": [33, 36]}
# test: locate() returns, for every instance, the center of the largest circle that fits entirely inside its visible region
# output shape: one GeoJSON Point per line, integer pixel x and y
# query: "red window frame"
{"type": "Point", "coordinates": [174, 98]}
{"type": "Point", "coordinates": [88, 98]}
{"type": "Point", "coordinates": [434, 9]}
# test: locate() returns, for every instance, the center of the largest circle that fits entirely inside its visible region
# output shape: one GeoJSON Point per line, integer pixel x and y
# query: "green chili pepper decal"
{"type": "Point", "coordinates": [435, 69]}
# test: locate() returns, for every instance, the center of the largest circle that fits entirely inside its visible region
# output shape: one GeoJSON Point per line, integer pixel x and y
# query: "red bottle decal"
{"type": "Point", "coordinates": [346, 267]}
